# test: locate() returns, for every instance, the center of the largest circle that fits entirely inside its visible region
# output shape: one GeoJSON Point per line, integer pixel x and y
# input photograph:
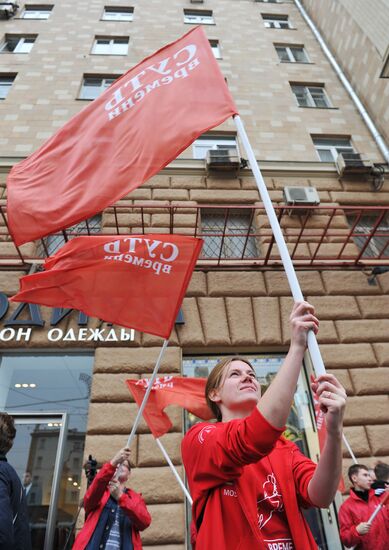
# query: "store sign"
{"type": "Point", "coordinates": [13, 328]}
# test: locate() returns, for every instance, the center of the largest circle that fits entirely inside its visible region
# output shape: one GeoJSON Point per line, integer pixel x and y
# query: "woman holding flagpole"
{"type": "Point", "coordinates": [114, 513]}
{"type": "Point", "coordinates": [248, 482]}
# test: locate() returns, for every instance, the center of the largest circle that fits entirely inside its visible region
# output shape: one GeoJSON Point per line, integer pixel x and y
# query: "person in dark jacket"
{"type": "Point", "coordinates": [14, 528]}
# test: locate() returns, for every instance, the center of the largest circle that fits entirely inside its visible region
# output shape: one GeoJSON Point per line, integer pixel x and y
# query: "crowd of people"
{"type": "Point", "coordinates": [248, 483]}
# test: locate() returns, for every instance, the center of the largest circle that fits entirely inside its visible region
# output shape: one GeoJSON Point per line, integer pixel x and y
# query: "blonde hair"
{"type": "Point", "coordinates": [215, 380]}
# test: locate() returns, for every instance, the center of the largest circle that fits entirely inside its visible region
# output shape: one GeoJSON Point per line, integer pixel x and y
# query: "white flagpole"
{"type": "Point", "coordinates": [149, 387]}
{"type": "Point", "coordinates": [313, 347]}
{"type": "Point", "coordinates": [347, 444]}
{"type": "Point", "coordinates": [174, 470]}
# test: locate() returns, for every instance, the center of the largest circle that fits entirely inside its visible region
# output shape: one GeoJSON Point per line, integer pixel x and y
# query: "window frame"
{"type": "Point", "coordinates": [21, 42]}
{"type": "Point", "coordinates": [44, 9]}
{"type": "Point", "coordinates": [111, 44]}
{"type": "Point", "coordinates": [273, 21]}
{"type": "Point", "coordinates": [215, 46]}
{"type": "Point", "coordinates": [289, 51]}
{"type": "Point", "coordinates": [198, 17]}
{"type": "Point", "coordinates": [101, 88]}
{"type": "Point", "coordinates": [123, 10]}
{"type": "Point", "coordinates": [333, 149]}
{"type": "Point", "coordinates": [213, 142]}
{"type": "Point", "coordinates": [6, 83]}
{"type": "Point", "coordinates": [308, 94]}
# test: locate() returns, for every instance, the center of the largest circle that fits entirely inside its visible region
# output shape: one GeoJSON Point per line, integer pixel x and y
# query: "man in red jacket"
{"type": "Point", "coordinates": [355, 512]}
{"type": "Point", "coordinates": [247, 482]}
{"type": "Point", "coordinates": [114, 513]}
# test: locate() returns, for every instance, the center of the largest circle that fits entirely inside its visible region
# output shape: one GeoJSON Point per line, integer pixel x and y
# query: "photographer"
{"type": "Point", "coordinates": [114, 513]}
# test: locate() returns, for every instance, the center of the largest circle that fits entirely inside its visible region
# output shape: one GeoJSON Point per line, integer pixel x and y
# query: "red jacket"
{"type": "Point", "coordinates": [220, 459]}
{"type": "Point", "coordinates": [96, 498]}
{"type": "Point", "coordinates": [354, 511]}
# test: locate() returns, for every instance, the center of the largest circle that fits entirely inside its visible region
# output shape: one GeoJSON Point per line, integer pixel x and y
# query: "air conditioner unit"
{"type": "Point", "coordinates": [8, 9]}
{"type": "Point", "coordinates": [301, 196]}
{"type": "Point", "coordinates": [352, 163]}
{"type": "Point", "coordinates": [223, 160]}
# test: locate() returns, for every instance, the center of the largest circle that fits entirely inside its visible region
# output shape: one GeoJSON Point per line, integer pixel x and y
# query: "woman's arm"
{"type": "Point", "coordinates": [277, 401]}
{"type": "Point", "coordinates": [95, 492]}
{"type": "Point", "coordinates": [332, 400]}
{"type": "Point", "coordinates": [6, 527]}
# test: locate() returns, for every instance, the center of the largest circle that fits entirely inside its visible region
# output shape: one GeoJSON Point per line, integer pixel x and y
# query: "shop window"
{"type": "Point", "coordinates": [93, 85]}
{"type": "Point", "coordinates": [49, 245]}
{"type": "Point", "coordinates": [328, 148]}
{"type": "Point", "coordinates": [311, 96]}
{"type": "Point", "coordinates": [120, 13]}
{"type": "Point", "coordinates": [37, 11]}
{"type": "Point", "coordinates": [376, 246]}
{"type": "Point", "coordinates": [228, 234]}
{"type": "Point", "coordinates": [6, 82]}
{"type": "Point", "coordinates": [274, 21]}
{"type": "Point", "coordinates": [291, 54]}
{"type": "Point", "coordinates": [199, 17]}
{"type": "Point", "coordinates": [13, 43]}
{"type": "Point", "coordinates": [299, 428]}
{"type": "Point", "coordinates": [110, 46]}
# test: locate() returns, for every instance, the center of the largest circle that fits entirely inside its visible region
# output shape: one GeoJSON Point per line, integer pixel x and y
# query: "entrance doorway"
{"type": "Point", "coordinates": [38, 457]}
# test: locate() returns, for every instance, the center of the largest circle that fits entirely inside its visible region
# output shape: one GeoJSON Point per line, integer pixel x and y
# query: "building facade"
{"type": "Point", "coordinates": [62, 374]}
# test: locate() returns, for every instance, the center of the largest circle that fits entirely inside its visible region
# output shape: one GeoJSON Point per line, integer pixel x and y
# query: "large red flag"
{"type": "Point", "coordinates": [137, 281]}
{"type": "Point", "coordinates": [125, 136]}
{"type": "Point", "coordinates": [170, 390]}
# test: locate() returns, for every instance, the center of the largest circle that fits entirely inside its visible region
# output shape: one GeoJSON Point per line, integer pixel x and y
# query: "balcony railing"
{"type": "Point", "coordinates": [235, 236]}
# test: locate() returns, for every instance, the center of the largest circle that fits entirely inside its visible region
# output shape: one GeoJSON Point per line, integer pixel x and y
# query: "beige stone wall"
{"type": "Point", "coordinates": [44, 95]}
{"type": "Point", "coordinates": [357, 34]}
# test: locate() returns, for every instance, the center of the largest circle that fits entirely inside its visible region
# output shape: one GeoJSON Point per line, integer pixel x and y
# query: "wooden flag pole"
{"type": "Point", "coordinates": [290, 272]}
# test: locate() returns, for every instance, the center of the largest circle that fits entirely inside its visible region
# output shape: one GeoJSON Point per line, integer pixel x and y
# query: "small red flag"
{"type": "Point", "coordinates": [170, 390]}
{"type": "Point", "coordinates": [137, 281]}
{"type": "Point", "coordinates": [126, 135]}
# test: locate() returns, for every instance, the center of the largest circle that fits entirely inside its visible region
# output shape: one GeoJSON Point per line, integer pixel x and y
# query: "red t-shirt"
{"type": "Point", "coordinates": [272, 520]}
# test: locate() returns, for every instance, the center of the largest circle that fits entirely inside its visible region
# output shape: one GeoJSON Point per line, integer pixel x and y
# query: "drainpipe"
{"type": "Point", "coordinates": [346, 83]}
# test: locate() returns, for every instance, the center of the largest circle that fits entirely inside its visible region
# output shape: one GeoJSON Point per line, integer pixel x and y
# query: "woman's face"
{"type": "Point", "coordinates": [239, 389]}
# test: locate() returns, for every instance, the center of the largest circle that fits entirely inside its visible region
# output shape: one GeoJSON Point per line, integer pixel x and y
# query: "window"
{"type": "Point", "coordinates": [199, 17]}
{"type": "Point", "coordinates": [385, 67]}
{"type": "Point", "coordinates": [292, 54]}
{"type": "Point", "coordinates": [49, 245]}
{"type": "Point", "coordinates": [110, 46]}
{"type": "Point", "coordinates": [5, 85]}
{"type": "Point", "coordinates": [205, 143]}
{"type": "Point", "coordinates": [310, 96]}
{"type": "Point", "coordinates": [93, 86]}
{"type": "Point", "coordinates": [276, 21]}
{"type": "Point", "coordinates": [121, 13]}
{"type": "Point", "coordinates": [228, 234]}
{"type": "Point", "coordinates": [36, 11]}
{"type": "Point", "coordinates": [376, 246]}
{"type": "Point", "coordinates": [328, 148]}
{"type": "Point", "coordinates": [17, 44]}
{"type": "Point", "coordinates": [215, 45]}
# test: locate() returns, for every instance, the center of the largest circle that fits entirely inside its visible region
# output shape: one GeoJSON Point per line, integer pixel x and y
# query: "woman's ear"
{"type": "Point", "coordinates": [214, 396]}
